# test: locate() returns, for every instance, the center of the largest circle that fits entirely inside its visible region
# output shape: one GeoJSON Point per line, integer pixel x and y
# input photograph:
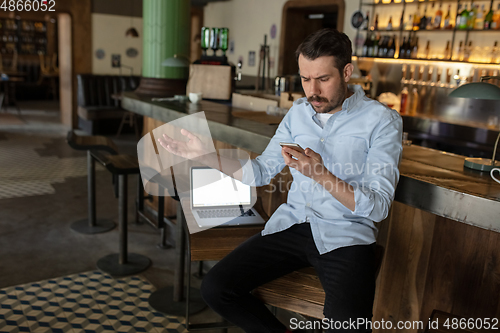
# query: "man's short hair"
{"type": "Point", "coordinates": [327, 42]}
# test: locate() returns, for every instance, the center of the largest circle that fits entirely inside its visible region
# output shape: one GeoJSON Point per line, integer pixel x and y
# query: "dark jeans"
{"type": "Point", "coordinates": [347, 275]}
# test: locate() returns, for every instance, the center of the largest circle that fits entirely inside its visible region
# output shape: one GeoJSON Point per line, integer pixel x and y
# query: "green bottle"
{"type": "Point", "coordinates": [488, 19]}
{"type": "Point", "coordinates": [464, 17]}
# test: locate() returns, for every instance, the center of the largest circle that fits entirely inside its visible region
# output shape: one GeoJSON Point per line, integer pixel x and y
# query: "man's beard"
{"type": "Point", "coordinates": [330, 104]}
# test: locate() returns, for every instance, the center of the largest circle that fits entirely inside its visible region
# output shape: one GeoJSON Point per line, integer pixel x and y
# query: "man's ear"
{"type": "Point", "coordinates": [348, 72]}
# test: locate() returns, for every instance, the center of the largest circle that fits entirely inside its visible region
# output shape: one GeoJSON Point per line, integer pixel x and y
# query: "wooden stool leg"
{"type": "Point", "coordinates": [91, 225]}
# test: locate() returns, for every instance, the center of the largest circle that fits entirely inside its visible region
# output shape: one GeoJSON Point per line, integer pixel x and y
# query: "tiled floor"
{"type": "Point", "coordinates": [86, 302]}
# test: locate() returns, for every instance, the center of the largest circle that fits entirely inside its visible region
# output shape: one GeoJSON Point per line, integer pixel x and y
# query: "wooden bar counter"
{"type": "Point", "coordinates": [441, 239]}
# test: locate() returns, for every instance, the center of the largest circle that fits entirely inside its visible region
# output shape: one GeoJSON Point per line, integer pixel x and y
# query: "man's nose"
{"type": "Point", "coordinates": [314, 88]}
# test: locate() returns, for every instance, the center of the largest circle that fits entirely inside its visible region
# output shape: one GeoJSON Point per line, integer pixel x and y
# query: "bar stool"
{"type": "Point", "coordinates": [121, 263]}
{"type": "Point", "coordinates": [91, 225]}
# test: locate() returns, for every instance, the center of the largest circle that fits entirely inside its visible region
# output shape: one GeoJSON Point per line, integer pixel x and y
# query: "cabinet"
{"type": "Point", "coordinates": [401, 13]}
{"type": "Point", "coordinates": [23, 36]}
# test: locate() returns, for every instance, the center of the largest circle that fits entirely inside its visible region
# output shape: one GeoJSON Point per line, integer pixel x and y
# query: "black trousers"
{"type": "Point", "coordinates": [347, 275]}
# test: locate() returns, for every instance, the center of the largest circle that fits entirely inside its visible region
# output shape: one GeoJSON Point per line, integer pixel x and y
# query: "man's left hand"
{"type": "Point", "coordinates": [310, 164]}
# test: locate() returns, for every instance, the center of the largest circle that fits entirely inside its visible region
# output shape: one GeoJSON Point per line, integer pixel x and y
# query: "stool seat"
{"type": "Point", "coordinates": [95, 143]}
{"type": "Point", "coordinates": [118, 164]}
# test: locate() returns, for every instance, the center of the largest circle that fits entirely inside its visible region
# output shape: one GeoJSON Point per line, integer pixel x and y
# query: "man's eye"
{"type": "Point", "coordinates": [324, 79]}
{"type": "Point", "coordinates": [305, 80]}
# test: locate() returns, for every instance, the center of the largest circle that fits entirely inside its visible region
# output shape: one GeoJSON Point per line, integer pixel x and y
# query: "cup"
{"type": "Point", "coordinates": [195, 98]}
{"type": "Point", "coordinates": [492, 176]}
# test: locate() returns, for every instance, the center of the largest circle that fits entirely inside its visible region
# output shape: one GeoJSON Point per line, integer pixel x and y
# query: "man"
{"type": "Point", "coordinates": [343, 183]}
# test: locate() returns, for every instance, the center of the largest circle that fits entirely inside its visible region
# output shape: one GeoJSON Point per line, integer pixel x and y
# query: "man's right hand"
{"type": "Point", "coordinates": [192, 149]}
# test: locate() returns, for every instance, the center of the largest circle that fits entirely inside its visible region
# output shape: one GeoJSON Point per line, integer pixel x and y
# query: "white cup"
{"type": "Point", "coordinates": [195, 97]}
{"type": "Point", "coordinates": [494, 178]}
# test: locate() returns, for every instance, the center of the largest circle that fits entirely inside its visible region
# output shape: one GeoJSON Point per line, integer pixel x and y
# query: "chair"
{"type": "Point", "coordinates": [49, 71]}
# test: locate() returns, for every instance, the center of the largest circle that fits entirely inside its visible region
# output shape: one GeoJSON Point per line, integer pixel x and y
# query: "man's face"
{"type": "Point", "coordinates": [323, 85]}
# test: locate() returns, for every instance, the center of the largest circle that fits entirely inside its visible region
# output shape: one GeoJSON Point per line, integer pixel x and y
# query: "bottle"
{"type": "Point", "coordinates": [404, 101]}
{"type": "Point", "coordinates": [409, 48]}
{"type": "Point", "coordinates": [367, 21]}
{"type": "Point", "coordinates": [402, 50]}
{"type": "Point", "coordinates": [479, 22]}
{"type": "Point", "coordinates": [471, 21]}
{"type": "Point", "coordinates": [496, 20]}
{"type": "Point", "coordinates": [464, 18]}
{"type": "Point", "coordinates": [458, 19]}
{"type": "Point", "coordinates": [371, 44]}
{"type": "Point", "coordinates": [402, 22]}
{"type": "Point", "coordinates": [438, 17]}
{"type": "Point", "coordinates": [389, 25]}
{"type": "Point", "coordinates": [416, 18]}
{"type": "Point", "coordinates": [414, 102]}
{"type": "Point", "coordinates": [488, 20]}
{"type": "Point", "coordinates": [428, 50]}
{"type": "Point", "coordinates": [381, 47]}
{"type": "Point", "coordinates": [414, 49]}
{"type": "Point", "coordinates": [447, 19]}
{"type": "Point", "coordinates": [467, 51]}
{"type": "Point", "coordinates": [494, 53]}
{"type": "Point", "coordinates": [459, 52]}
{"type": "Point", "coordinates": [423, 20]}
{"type": "Point", "coordinates": [392, 47]}
{"type": "Point", "coordinates": [429, 22]}
{"type": "Point", "coordinates": [376, 45]}
{"type": "Point", "coordinates": [447, 51]}
{"type": "Point", "coordinates": [375, 24]}
{"type": "Point", "coordinates": [366, 45]}
{"type": "Point", "coordinates": [408, 25]}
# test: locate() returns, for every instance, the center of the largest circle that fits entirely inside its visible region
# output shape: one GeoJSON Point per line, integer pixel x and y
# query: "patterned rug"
{"type": "Point", "coordinates": [86, 302]}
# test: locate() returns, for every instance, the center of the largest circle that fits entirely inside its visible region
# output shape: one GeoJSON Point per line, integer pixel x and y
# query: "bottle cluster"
{"type": "Point", "coordinates": [468, 17]}
{"type": "Point", "coordinates": [379, 46]}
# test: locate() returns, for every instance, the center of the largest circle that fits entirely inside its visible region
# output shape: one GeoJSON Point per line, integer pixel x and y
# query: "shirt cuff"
{"type": "Point", "coordinates": [248, 176]}
{"type": "Point", "coordinates": [364, 202]}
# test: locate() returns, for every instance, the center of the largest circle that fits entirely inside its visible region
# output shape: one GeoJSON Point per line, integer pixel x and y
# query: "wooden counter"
{"type": "Point", "coordinates": [442, 237]}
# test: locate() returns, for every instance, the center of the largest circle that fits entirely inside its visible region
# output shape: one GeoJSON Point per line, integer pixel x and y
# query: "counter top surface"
{"type": "Point", "coordinates": [431, 180]}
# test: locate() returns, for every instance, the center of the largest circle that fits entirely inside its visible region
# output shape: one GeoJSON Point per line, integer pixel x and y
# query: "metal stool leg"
{"type": "Point", "coordinates": [90, 225]}
{"type": "Point", "coordinates": [123, 263]}
{"type": "Point", "coordinates": [171, 300]}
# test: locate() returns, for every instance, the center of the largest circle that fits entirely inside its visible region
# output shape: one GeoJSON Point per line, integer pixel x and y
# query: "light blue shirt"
{"type": "Point", "coordinates": [361, 144]}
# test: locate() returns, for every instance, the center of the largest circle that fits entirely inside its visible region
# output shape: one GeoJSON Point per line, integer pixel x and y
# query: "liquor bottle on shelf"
{"type": "Point", "coordinates": [467, 51]}
{"type": "Point", "coordinates": [402, 24]}
{"type": "Point", "coordinates": [375, 24]}
{"type": "Point", "coordinates": [376, 45]}
{"type": "Point", "coordinates": [381, 47]}
{"type": "Point", "coordinates": [389, 24]}
{"type": "Point", "coordinates": [494, 53]}
{"type": "Point", "coordinates": [447, 51]}
{"type": "Point", "coordinates": [366, 45]}
{"type": "Point", "coordinates": [423, 20]}
{"type": "Point", "coordinates": [472, 17]}
{"type": "Point", "coordinates": [447, 19]}
{"type": "Point", "coordinates": [414, 102]}
{"type": "Point", "coordinates": [371, 45]}
{"type": "Point", "coordinates": [458, 54]}
{"type": "Point", "coordinates": [408, 48]}
{"type": "Point", "coordinates": [428, 50]}
{"type": "Point", "coordinates": [429, 22]}
{"type": "Point", "coordinates": [402, 50]}
{"type": "Point", "coordinates": [496, 19]}
{"type": "Point", "coordinates": [458, 18]}
{"type": "Point", "coordinates": [438, 18]}
{"type": "Point", "coordinates": [416, 18]}
{"type": "Point", "coordinates": [392, 47]}
{"type": "Point", "coordinates": [464, 17]}
{"type": "Point", "coordinates": [367, 21]}
{"type": "Point", "coordinates": [479, 23]}
{"type": "Point", "coordinates": [414, 49]}
{"type": "Point", "coordinates": [488, 19]}
{"type": "Point", "coordinates": [404, 101]}
{"type": "Point", "coordinates": [408, 25]}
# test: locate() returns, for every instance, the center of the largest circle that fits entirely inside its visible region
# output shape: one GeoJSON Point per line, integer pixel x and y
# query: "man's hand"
{"type": "Point", "coordinates": [191, 149]}
{"type": "Point", "coordinates": [310, 164]}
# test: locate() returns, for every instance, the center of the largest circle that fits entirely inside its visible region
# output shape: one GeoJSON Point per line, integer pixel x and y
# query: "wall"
{"type": "Point", "coordinates": [249, 21]}
{"type": "Point", "coordinates": [108, 34]}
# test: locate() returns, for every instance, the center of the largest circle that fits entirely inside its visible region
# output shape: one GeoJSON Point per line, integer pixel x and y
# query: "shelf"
{"type": "Point", "coordinates": [412, 3]}
{"type": "Point", "coordinates": [428, 60]}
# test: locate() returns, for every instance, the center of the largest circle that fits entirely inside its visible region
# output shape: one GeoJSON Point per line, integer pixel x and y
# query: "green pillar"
{"type": "Point", "coordinates": [166, 32]}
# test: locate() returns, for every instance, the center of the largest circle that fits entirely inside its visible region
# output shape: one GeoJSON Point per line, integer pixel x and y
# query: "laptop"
{"type": "Point", "coordinates": [217, 199]}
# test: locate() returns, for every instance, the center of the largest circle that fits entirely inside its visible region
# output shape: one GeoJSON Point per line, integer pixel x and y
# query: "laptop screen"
{"type": "Point", "coordinates": [210, 187]}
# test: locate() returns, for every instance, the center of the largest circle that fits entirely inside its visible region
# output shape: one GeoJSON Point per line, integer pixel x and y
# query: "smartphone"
{"type": "Point", "coordinates": [295, 146]}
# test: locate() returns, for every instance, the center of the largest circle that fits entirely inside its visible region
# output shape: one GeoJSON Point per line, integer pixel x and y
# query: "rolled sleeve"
{"type": "Point", "coordinates": [374, 196]}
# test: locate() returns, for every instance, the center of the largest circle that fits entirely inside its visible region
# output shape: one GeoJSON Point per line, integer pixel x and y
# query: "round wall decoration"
{"type": "Point", "coordinates": [100, 54]}
{"type": "Point", "coordinates": [132, 52]}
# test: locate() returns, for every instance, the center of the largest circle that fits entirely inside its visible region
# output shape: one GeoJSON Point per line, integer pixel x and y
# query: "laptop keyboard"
{"type": "Point", "coordinates": [232, 212]}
